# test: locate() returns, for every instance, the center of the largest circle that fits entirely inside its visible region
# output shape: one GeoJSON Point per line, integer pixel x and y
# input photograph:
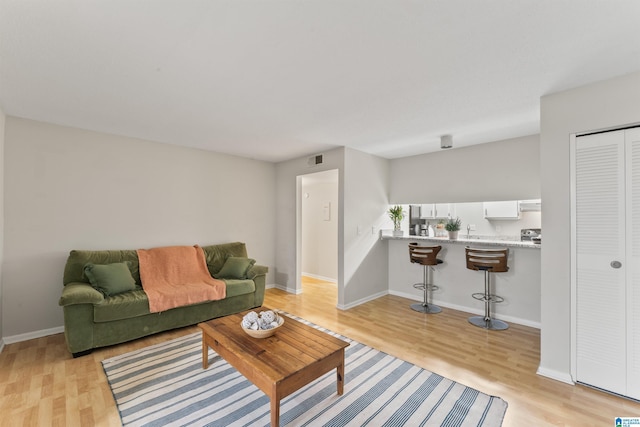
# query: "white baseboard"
{"type": "Point", "coordinates": [555, 375]}
{"type": "Point", "coordinates": [316, 276]}
{"type": "Point", "coordinates": [284, 288]}
{"type": "Point", "coordinates": [339, 306]}
{"type": "Point", "coordinates": [471, 310]}
{"type": "Point", "coordinates": [33, 335]}
{"type": "Point", "coordinates": [362, 301]}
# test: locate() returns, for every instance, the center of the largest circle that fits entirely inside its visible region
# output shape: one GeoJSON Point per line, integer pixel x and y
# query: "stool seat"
{"type": "Point", "coordinates": [488, 261]}
{"type": "Point", "coordinates": [427, 257]}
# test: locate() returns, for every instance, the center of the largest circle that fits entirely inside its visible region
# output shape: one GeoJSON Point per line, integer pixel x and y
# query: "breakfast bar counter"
{"type": "Point", "coordinates": [464, 240]}
{"type": "Point", "coordinates": [520, 286]}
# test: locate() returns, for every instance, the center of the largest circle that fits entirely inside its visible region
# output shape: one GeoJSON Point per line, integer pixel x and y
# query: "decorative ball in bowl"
{"type": "Point", "coordinates": [261, 325]}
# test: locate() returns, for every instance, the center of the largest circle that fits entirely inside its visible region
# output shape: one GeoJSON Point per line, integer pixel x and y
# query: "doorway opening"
{"type": "Point", "coordinates": [318, 231]}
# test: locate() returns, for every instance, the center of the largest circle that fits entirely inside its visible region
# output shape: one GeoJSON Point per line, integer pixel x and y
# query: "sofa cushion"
{"type": "Point", "coordinates": [122, 306]}
{"type": "Point", "coordinates": [74, 268]}
{"type": "Point", "coordinates": [216, 255]}
{"type": "Point", "coordinates": [135, 303]}
{"type": "Point", "coordinates": [237, 287]}
{"type": "Point", "coordinates": [235, 268]}
{"type": "Point", "coordinates": [110, 279]}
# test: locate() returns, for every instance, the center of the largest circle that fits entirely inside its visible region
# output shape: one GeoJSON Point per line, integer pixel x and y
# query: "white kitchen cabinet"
{"type": "Point", "coordinates": [437, 210]}
{"type": "Point", "coordinates": [501, 210]}
{"type": "Point", "coordinates": [428, 211]}
{"type": "Point", "coordinates": [445, 210]}
{"type": "Point", "coordinates": [606, 261]}
{"type": "Point", "coordinates": [533, 205]}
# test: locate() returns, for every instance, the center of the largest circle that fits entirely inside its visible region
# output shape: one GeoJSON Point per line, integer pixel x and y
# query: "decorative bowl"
{"type": "Point", "coordinates": [264, 333]}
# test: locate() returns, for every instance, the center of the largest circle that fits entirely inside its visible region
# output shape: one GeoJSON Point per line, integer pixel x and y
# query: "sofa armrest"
{"type": "Point", "coordinates": [257, 270]}
{"type": "Point", "coordinates": [258, 273]}
{"type": "Point", "coordinates": [80, 293]}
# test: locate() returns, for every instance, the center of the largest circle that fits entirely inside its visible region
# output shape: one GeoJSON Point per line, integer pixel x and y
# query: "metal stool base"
{"type": "Point", "coordinates": [426, 287]}
{"type": "Point", "coordinates": [490, 324]}
{"type": "Point", "coordinates": [429, 308]}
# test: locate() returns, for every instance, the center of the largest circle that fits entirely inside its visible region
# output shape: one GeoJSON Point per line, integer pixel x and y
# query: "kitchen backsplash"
{"type": "Point", "coordinates": [472, 214]}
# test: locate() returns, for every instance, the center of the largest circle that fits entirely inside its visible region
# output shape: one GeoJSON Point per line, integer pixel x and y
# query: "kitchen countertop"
{"type": "Point", "coordinates": [463, 240]}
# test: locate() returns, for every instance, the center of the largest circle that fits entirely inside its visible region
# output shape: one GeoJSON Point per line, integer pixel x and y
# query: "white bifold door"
{"type": "Point", "coordinates": [606, 252]}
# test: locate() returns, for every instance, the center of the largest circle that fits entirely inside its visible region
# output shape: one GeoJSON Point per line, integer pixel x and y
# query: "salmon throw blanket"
{"type": "Point", "coordinates": [175, 276]}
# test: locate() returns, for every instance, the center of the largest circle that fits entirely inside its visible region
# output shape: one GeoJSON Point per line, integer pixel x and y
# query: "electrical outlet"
{"type": "Point", "coordinates": [373, 231]}
{"type": "Point", "coordinates": [472, 227]}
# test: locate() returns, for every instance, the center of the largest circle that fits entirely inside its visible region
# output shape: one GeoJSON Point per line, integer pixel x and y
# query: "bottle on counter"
{"type": "Point", "coordinates": [430, 231]}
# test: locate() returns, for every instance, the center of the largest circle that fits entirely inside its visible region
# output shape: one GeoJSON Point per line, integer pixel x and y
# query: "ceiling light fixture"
{"type": "Point", "coordinates": [446, 141]}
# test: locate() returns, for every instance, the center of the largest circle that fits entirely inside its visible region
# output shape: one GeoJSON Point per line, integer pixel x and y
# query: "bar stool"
{"type": "Point", "coordinates": [425, 256]}
{"type": "Point", "coordinates": [489, 261]}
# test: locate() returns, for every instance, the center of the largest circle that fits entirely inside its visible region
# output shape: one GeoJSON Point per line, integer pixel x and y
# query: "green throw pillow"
{"type": "Point", "coordinates": [110, 279]}
{"type": "Point", "coordinates": [235, 268]}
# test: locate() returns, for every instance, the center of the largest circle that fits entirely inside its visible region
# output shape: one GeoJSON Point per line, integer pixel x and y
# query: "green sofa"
{"type": "Point", "coordinates": [93, 320]}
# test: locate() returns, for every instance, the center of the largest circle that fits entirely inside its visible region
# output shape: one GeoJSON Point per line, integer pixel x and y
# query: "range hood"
{"type": "Point", "coordinates": [534, 205]}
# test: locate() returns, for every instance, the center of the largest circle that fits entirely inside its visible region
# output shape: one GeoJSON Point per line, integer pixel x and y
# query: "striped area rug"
{"type": "Point", "coordinates": [165, 385]}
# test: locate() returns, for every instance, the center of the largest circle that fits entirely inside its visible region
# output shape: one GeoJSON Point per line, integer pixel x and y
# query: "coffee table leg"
{"type": "Point", "coordinates": [340, 374]}
{"type": "Point", "coordinates": [275, 412]}
{"type": "Point", "coordinates": [205, 354]}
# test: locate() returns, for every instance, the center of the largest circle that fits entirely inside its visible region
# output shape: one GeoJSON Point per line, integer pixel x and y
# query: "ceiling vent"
{"type": "Point", "coordinates": [318, 159]}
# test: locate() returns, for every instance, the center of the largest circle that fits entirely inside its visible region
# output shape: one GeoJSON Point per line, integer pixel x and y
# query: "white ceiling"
{"type": "Point", "coordinates": [279, 79]}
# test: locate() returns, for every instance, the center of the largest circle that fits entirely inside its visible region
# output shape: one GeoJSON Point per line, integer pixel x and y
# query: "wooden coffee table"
{"type": "Point", "coordinates": [278, 365]}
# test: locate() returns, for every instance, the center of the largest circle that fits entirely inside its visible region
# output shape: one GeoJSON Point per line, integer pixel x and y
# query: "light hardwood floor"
{"type": "Point", "coordinates": [40, 384]}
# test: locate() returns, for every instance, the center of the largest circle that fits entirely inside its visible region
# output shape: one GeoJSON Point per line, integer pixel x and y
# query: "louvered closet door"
{"type": "Point", "coordinates": [601, 333]}
{"type": "Point", "coordinates": [632, 139]}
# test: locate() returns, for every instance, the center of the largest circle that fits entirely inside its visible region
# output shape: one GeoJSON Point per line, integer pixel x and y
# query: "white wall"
{"type": "Point", "coordinates": [366, 200]}
{"type": "Point", "coordinates": [501, 170]}
{"type": "Point", "coordinates": [608, 104]}
{"type": "Point", "coordinates": [320, 225]}
{"type": "Point", "coordinates": [2, 168]}
{"type": "Point", "coordinates": [72, 189]}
